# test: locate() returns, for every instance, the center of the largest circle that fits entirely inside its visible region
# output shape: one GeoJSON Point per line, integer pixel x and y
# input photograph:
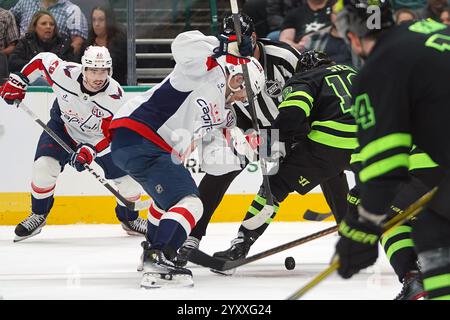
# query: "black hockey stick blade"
{"type": "Point", "coordinates": [315, 216]}
{"type": "Point", "coordinates": [205, 260]}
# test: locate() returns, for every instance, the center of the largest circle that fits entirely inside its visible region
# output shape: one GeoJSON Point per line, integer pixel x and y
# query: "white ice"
{"type": "Point", "coordinates": [99, 262]}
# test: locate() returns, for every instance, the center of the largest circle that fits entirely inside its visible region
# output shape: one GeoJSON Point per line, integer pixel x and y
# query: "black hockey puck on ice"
{"type": "Point", "coordinates": [289, 263]}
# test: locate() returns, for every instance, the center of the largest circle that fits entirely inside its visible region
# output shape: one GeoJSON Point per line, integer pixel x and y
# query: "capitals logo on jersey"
{"type": "Point", "coordinates": [118, 95]}
{"type": "Point", "coordinates": [97, 112]}
{"type": "Point", "coordinates": [67, 71]}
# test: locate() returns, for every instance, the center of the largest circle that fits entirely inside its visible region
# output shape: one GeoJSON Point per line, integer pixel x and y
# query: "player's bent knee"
{"type": "Point", "coordinates": [45, 171]}
{"type": "Point", "coordinates": [128, 188]}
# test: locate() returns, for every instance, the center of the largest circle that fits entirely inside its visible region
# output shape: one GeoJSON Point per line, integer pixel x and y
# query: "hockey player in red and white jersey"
{"type": "Point", "coordinates": [153, 132]}
{"type": "Point", "coordinates": [86, 100]}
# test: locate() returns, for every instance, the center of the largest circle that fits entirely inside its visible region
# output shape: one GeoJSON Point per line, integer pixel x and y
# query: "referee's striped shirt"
{"type": "Point", "coordinates": [279, 61]}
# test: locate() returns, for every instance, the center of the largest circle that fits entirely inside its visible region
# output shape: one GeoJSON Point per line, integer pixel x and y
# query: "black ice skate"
{"type": "Point", "coordinates": [412, 287]}
{"type": "Point", "coordinates": [239, 249]}
{"type": "Point", "coordinates": [29, 227]}
{"type": "Point", "coordinates": [136, 227]}
{"type": "Point", "coordinates": [190, 244]}
{"type": "Point", "coordinates": [161, 272]}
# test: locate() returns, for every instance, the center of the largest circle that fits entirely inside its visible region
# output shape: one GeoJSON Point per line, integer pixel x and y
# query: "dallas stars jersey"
{"type": "Point", "coordinates": [401, 97]}
{"type": "Point", "coordinates": [317, 104]}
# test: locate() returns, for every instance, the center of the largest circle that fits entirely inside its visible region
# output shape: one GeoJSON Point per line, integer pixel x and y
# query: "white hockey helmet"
{"type": "Point", "coordinates": [97, 57]}
{"type": "Point", "coordinates": [255, 73]}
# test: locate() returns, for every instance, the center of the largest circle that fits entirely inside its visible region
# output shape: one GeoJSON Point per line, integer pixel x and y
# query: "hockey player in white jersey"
{"type": "Point", "coordinates": [152, 133]}
{"type": "Point", "coordinates": [86, 100]}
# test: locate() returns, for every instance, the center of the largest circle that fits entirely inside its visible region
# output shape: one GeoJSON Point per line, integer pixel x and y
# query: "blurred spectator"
{"type": "Point", "coordinates": [87, 6]}
{"type": "Point", "coordinates": [4, 72]}
{"type": "Point", "coordinates": [105, 31]}
{"type": "Point", "coordinates": [329, 41]}
{"type": "Point", "coordinates": [42, 36]}
{"type": "Point", "coordinates": [403, 15]}
{"type": "Point", "coordinates": [8, 32]}
{"type": "Point", "coordinates": [309, 17]}
{"type": "Point", "coordinates": [256, 10]}
{"type": "Point", "coordinates": [276, 12]}
{"type": "Point", "coordinates": [434, 9]}
{"type": "Point", "coordinates": [409, 4]}
{"type": "Point", "coordinates": [70, 20]}
{"type": "Point", "coordinates": [7, 4]}
{"type": "Point", "coordinates": [445, 16]}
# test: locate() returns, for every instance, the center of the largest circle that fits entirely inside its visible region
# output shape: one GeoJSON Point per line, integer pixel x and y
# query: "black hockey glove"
{"type": "Point", "coordinates": [358, 246]}
{"type": "Point", "coordinates": [229, 46]}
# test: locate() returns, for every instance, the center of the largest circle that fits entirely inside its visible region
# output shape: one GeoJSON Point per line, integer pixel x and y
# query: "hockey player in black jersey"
{"type": "Point", "coordinates": [424, 174]}
{"type": "Point", "coordinates": [400, 97]}
{"type": "Point", "coordinates": [318, 131]}
{"type": "Point", "coordinates": [280, 62]}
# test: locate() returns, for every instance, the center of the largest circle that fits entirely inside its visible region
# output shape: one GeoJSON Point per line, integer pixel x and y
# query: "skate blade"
{"type": "Point", "coordinates": [19, 238]}
{"type": "Point", "coordinates": [131, 232]}
{"type": "Point", "coordinates": [140, 266]}
{"type": "Point", "coordinates": [161, 280]}
{"type": "Point", "coordinates": [227, 273]}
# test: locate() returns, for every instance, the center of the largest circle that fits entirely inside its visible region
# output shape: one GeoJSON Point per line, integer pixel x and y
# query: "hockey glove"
{"type": "Point", "coordinates": [244, 49]}
{"type": "Point", "coordinates": [14, 88]}
{"type": "Point", "coordinates": [245, 144]}
{"type": "Point", "coordinates": [358, 246]}
{"type": "Point", "coordinates": [229, 46]}
{"type": "Point", "coordinates": [84, 154]}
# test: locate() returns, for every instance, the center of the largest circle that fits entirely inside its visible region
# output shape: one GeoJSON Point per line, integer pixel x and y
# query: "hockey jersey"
{"type": "Point", "coordinates": [86, 117]}
{"type": "Point", "coordinates": [189, 102]}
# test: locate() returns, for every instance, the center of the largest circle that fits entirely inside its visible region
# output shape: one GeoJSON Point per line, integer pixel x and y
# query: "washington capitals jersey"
{"type": "Point", "coordinates": [86, 118]}
{"type": "Point", "coordinates": [189, 103]}
{"type": "Point", "coordinates": [317, 104]}
{"type": "Point", "coordinates": [401, 96]}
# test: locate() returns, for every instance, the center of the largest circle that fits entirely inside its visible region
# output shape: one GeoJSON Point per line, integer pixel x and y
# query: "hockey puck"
{"type": "Point", "coordinates": [289, 263]}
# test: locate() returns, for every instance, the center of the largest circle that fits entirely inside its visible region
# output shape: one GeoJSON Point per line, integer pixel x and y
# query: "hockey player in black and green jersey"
{"type": "Point", "coordinates": [400, 97]}
{"type": "Point", "coordinates": [424, 174]}
{"type": "Point", "coordinates": [318, 131]}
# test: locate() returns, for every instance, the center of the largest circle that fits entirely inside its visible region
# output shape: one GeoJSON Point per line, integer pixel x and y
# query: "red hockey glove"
{"type": "Point", "coordinates": [84, 154]}
{"type": "Point", "coordinates": [14, 88]}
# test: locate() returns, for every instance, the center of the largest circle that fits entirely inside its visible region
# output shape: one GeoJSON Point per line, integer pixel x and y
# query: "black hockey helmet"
{"type": "Point", "coordinates": [247, 25]}
{"type": "Point", "coordinates": [360, 17]}
{"type": "Point", "coordinates": [312, 59]}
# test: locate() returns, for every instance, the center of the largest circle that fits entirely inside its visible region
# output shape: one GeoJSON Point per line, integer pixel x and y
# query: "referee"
{"type": "Point", "coordinates": [280, 62]}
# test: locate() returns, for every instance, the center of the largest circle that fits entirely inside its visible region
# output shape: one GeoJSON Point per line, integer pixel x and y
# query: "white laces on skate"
{"type": "Point", "coordinates": [239, 239]}
{"type": "Point", "coordinates": [33, 221]}
{"type": "Point", "coordinates": [191, 243]}
{"type": "Point", "coordinates": [139, 225]}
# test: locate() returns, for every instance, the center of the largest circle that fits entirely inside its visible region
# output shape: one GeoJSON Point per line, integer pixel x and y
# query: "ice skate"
{"type": "Point", "coordinates": [159, 272]}
{"type": "Point", "coordinates": [30, 227]}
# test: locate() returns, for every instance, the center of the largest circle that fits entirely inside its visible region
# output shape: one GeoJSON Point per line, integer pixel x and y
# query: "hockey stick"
{"type": "Point", "coordinates": [399, 219]}
{"type": "Point", "coordinates": [259, 219]}
{"type": "Point", "coordinates": [205, 260]}
{"type": "Point", "coordinates": [315, 216]}
{"type": "Point", "coordinates": [134, 206]}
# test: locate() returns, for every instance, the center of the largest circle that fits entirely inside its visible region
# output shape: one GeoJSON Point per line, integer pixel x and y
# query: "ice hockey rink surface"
{"type": "Point", "coordinates": [99, 262]}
